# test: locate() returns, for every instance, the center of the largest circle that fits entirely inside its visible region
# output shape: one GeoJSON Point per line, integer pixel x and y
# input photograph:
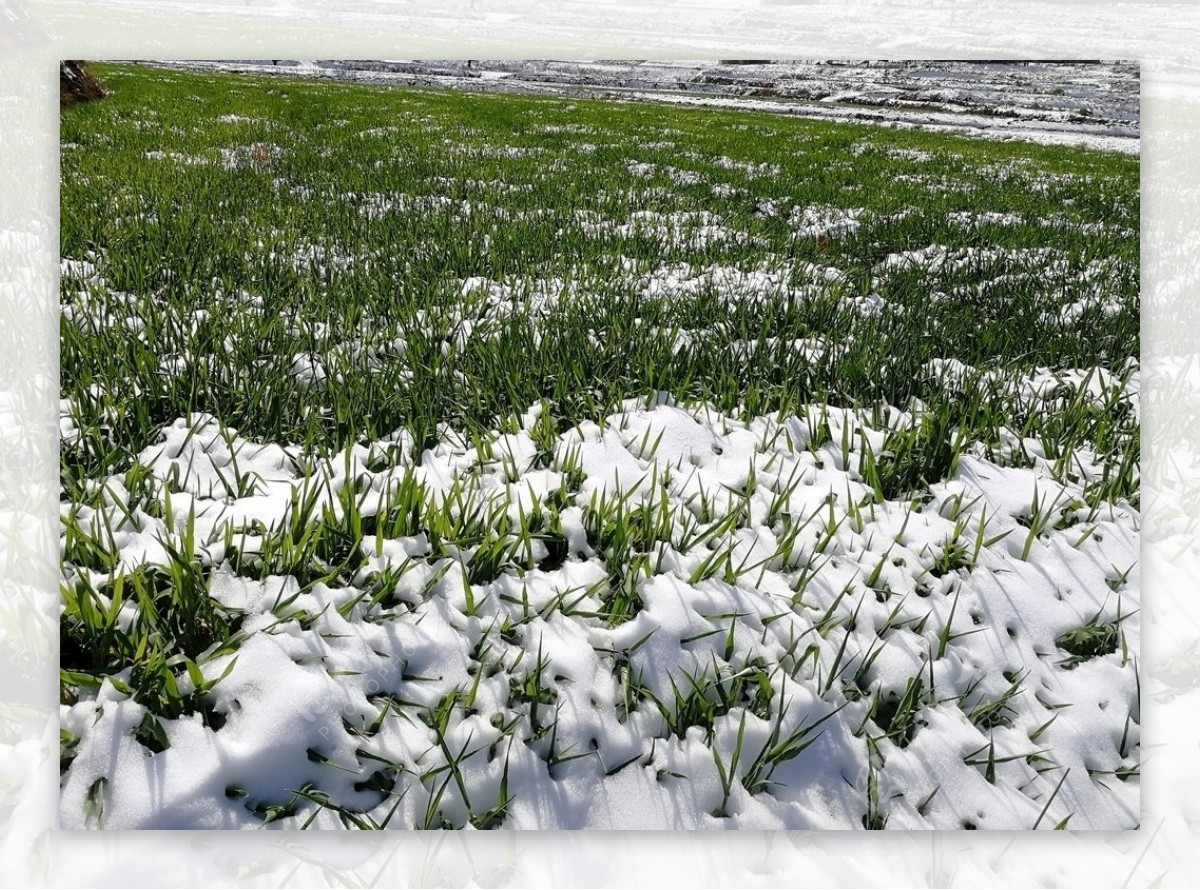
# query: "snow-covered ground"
{"type": "Point", "coordinates": [733, 698]}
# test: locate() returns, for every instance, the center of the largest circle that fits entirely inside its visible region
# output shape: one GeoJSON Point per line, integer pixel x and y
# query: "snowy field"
{"type": "Point", "coordinates": [1093, 104]}
{"type": "Point", "coordinates": [435, 459]}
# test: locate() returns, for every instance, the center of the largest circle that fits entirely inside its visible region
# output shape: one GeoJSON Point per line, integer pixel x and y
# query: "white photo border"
{"type": "Point", "coordinates": [1165, 38]}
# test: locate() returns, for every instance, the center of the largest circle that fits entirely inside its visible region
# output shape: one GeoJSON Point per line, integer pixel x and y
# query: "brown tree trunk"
{"type": "Point", "coordinates": [76, 83]}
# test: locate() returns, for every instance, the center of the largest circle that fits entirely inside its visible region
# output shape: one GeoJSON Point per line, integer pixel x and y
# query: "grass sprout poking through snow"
{"type": "Point", "coordinates": [643, 467]}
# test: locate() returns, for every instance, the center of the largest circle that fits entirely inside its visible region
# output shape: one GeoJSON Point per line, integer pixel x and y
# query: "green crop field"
{"type": "Point", "coordinates": [433, 459]}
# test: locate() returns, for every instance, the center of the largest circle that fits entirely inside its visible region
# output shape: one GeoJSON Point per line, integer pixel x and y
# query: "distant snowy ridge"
{"type": "Point", "coordinates": [1092, 104]}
